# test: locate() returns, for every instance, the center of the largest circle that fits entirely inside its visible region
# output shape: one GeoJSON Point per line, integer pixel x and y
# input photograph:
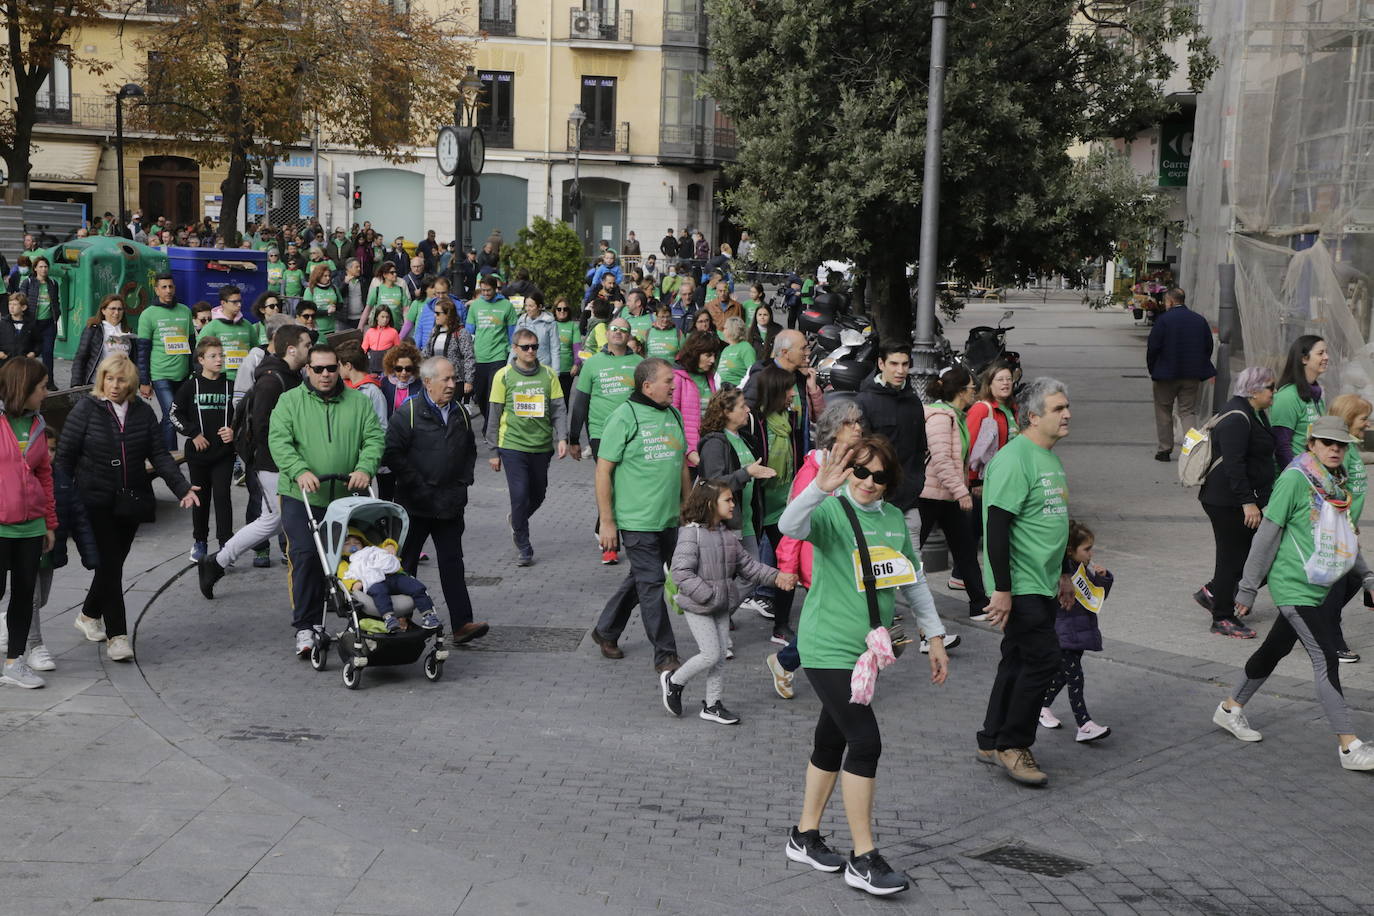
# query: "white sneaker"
{"type": "Point", "coordinates": [120, 649]}
{"type": "Point", "coordinates": [40, 659]}
{"type": "Point", "coordinates": [91, 627]}
{"type": "Point", "coordinates": [1091, 731]}
{"type": "Point", "coordinates": [304, 642]}
{"type": "Point", "coordinates": [956, 584]}
{"type": "Point", "coordinates": [1359, 756]}
{"type": "Point", "coordinates": [18, 673]}
{"type": "Point", "coordinates": [978, 618]}
{"type": "Point", "coordinates": [1234, 721]}
{"type": "Point", "coordinates": [1048, 719]}
{"type": "Point", "coordinates": [758, 606]}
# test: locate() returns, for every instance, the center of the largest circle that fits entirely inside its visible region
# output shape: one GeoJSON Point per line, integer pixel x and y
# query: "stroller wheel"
{"type": "Point", "coordinates": [434, 668]}
{"type": "Point", "coordinates": [319, 657]}
{"type": "Point", "coordinates": [352, 676]}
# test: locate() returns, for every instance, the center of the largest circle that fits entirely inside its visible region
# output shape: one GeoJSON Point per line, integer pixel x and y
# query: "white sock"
{"type": "Point", "coordinates": [1352, 745]}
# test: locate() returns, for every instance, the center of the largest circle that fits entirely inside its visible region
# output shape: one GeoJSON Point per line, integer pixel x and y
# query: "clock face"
{"type": "Point", "coordinates": [447, 151]}
{"type": "Point", "coordinates": [477, 151]}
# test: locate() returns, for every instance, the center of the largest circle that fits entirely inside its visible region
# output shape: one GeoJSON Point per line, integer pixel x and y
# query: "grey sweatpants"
{"type": "Point", "coordinates": [1319, 632]}
{"type": "Point", "coordinates": [712, 633]}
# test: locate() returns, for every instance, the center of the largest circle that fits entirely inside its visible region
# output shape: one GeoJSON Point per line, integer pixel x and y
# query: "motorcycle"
{"type": "Point", "coordinates": [844, 353]}
{"type": "Point", "coordinates": [986, 345]}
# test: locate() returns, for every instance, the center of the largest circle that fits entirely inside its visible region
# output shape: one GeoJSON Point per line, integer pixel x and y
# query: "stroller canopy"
{"type": "Point", "coordinates": [377, 519]}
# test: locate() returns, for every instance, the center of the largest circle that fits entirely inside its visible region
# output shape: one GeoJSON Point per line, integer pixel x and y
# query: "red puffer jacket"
{"type": "Point", "coordinates": [33, 497]}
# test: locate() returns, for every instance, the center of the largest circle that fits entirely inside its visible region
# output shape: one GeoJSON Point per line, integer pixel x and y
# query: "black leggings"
{"type": "Point", "coordinates": [1070, 675]}
{"type": "Point", "coordinates": [842, 724]}
{"type": "Point", "coordinates": [214, 479]}
{"type": "Point", "coordinates": [481, 389]}
{"type": "Point", "coordinates": [963, 545]}
{"type": "Point", "coordinates": [1233, 539]}
{"type": "Point", "coordinates": [19, 567]}
{"type": "Point", "coordinates": [105, 598]}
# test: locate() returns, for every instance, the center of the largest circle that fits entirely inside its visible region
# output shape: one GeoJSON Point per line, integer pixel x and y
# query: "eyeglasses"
{"type": "Point", "coordinates": [527, 347]}
{"type": "Point", "coordinates": [306, 316]}
{"type": "Point", "coordinates": [1269, 387]}
{"type": "Point", "coordinates": [863, 473]}
{"type": "Point", "coordinates": [321, 370]}
{"type": "Point", "coordinates": [560, 308]}
{"type": "Point", "coordinates": [408, 367]}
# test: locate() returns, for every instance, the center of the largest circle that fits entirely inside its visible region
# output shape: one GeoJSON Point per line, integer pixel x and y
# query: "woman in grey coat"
{"type": "Point", "coordinates": [540, 323]}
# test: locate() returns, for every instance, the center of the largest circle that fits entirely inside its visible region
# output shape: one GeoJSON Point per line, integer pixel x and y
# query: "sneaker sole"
{"type": "Point", "coordinates": [1226, 728]}
{"type": "Point", "coordinates": [1356, 769]}
{"type": "Point", "coordinates": [82, 630]}
{"type": "Point", "coordinates": [717, 719]}
{"type": "Point", "coordinates": [1343, 661]}
{"type": "Point", "coordinates": [1028, 780]}
{"type": "Point", "coordinates": [1093, 738]}
{"type": "Point", "coordinates": [779, 641]}
{"type": "Point", "coordinates": [978, 618]}
{"type": "Point", "coordinates": [857, 881]}
{"type": "Point", "coordinates": [1044, 724]}
{"type": "Point", "coordinates": [6, 679]}
{"type": "Point", "coordinates": [799, 856]}
{"type": "Point", "coordinates": [1234, 635]}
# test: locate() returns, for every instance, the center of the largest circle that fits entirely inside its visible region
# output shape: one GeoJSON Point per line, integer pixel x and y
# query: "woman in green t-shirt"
{"type": "Point", "coordinates": [1354, 412]}
{"type": "Point", "coordinates": [1298, 401]}
{"type": "Point", "coordinates": [832, 639]}
{"type": "Point", "coordinates": [738, 354]}
{"type": "Point", "coordinates": [264, 307]}
{"type": "Point", "coordinates": [569, 341]}
{"type": "Point", "coordinates": [386, 291]}
{"type": "Point", "coordinates": [326, 298]}
{"type": "Point", "coordinates": [1282, 549]}
{"type": "Point", "coordinates": [762, 331]}
{"type": "Point", "coordinates": [275, 271]}
{"type": "Point", "coordinates": [28, 514]}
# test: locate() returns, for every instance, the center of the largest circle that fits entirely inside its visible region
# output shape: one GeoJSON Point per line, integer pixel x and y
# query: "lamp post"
{"type": "Point", "coordinates": [578, 117]}
{"type": "Point", "coordinates": [924, 351]}
{"type": "Point", "coordinates": [127, 91]}
{"type": "Point", "coordinates": [465, 115]}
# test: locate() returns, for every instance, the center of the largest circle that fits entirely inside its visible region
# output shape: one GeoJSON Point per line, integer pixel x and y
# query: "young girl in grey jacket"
{"type": "Point", "coordinates": [708, 566]}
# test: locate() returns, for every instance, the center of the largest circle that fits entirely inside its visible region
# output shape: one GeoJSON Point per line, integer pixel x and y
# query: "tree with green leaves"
{"type": "Point", "coordinates": [829, 101]}
{"type": "Point", "coordinates": [551, 251]}
{"type": "Point", "coordinates": [244, 79]}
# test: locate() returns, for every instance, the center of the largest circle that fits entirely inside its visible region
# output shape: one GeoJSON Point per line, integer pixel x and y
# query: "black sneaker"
{"type": "Point", "coordinates": [209, 572]}
{"type": "Point", "coordinates": [870, 872]}
{"type": "Point", "coordinates": [672, 693]}
{"type": "Point", "coordinates": [716, 713]}
{"type": "Point", "coordinates": [809, 849]}
{"type": "Point", "coordinates": [1204, 599]}
{"type": "Point", "coordinates": [1346, 657]}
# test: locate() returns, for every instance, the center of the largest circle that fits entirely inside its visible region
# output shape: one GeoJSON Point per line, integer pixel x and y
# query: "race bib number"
{"type": "Point", "coordinates": [1089, 595]}
{"type": "Point", "coordinates": [529, 405]}
{"type": "Point", "coordinates": [517, 302]}
{"type": "Point", "coordinates": [233, 359]}
{"type": "Point", "coordinates": [890, 568]}
{"type": "Point", "coordinates": [176, 344]}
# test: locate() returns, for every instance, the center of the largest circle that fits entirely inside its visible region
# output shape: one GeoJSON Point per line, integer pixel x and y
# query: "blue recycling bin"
{"type": "Point", "coordinates": [200, 272]}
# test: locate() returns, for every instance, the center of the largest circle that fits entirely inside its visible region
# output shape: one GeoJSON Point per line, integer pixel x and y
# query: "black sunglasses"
{"type": "Point", "coordinates": [1332, 442]}
{"type": "Point", "coordinates": [863, 473]}
{"type": "Point", "coordinates": [527, 347]}
{"type": "Point", "coordinates": [321, 370]}
{"type": "Point", "coordinates": [408, 367]}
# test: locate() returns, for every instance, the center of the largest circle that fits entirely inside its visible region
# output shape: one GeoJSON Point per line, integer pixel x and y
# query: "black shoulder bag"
{"type": "Point", "coordinates": [898, 634]}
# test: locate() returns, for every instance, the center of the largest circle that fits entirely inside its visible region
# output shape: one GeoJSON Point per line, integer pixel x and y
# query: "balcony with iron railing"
{"type": "Point", "coordinates": [76, 110]}
{"type": "Point", "coordinates": [685, 28]}
{"type": "Point", "coordinates": [696, 143]}
{"type": "Point", "coordinates": [496, 17]}
{"type": "Point", "coordinates": [601, 138]}
{"type": "Point", "coordinates": [601, 28]}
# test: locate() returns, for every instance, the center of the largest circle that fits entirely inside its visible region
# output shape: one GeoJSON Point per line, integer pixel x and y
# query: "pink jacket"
{"type": "Point", "coordinates": [945, 475]}
{"type": "Point", "coordinates": [687, 399]}
{"type": "Point", "coordinates": [33, 497]}
{"type": "Point", "coordinates": [794, 556]}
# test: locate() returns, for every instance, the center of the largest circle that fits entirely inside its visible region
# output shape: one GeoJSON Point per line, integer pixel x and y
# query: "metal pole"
{"type": "Point", "coordinates": [1226, 318]}
{"type": "Point", "coordinates": [119, 157]}
{"type": "Point", "coordinates": [924, 352]}
{"type": "Point", "coordinates": [315, 158]}
{"type": "Point", "coordinates": [458, 192]}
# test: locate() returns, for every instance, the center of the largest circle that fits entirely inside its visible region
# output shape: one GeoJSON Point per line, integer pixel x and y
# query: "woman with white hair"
{"type": "Point", "coordinates": [1236, 491]}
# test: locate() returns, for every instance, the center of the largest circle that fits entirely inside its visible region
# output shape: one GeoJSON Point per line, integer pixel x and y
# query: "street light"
{"type": "Point", "coordinates": [578, 118]}
{"type": "Point", "coordinates": [127, 91]}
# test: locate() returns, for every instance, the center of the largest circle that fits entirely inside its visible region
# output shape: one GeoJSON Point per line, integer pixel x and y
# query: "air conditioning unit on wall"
{"type": "Point", "coordinates": [586, 25]}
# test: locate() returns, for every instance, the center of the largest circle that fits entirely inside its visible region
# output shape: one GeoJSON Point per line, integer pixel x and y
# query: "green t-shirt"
{"type": "Point", "coordinates": [276, 273]}
{"type": "Point", "coordinates": [238, 338]}
{"type": "Point", "coordinates": [746, 496]}
{"type": "Point", "coordinates": [1293, 506]}
{"type": "Point", "coordinates": [413, 312]}
{"type": "Point", "coordinates": [393, 297]}
{"type": "Point", "coordinates": [648, 447]}
{"type": "Point", "coordinates": [568, 340]}
{"type": "Point", "coordinates": [324, 297]}
{"type": "Point", "coordinates": [1356, 481]}
{"type": "Point", "coordinates": [527, 408]}
{"type": "Point", "coordinates": [1292, 412]}
{"type": "Point", "coordinates": [703, 390]}
{"type": "Point", "coordinates": [169, 331]}
{"type": "Point", "coordinates": [34, 527]}
{"type": "Point", "coordinates": [663, 342]}
{"type": "Point", "coordinates": [44, 303]}
{"type": "Point", "coordinates": [834, 620]}
{"type": "Point", "coordinates": [639, 324]}
{"type": "Point", "coordinates": [734, 362]}
{"type": "Point", "coordinates": [608, 380]}
{"type": "Point", "coordinates": [1029, 482]}
{"type": "Point", "coordinates": [491, 322]}
{"type": "Point", "coordinates": [778, 428]}
{"type": "Point", "coordinates": [293, 282]}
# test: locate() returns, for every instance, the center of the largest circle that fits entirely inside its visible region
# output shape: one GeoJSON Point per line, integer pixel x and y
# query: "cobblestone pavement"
{"type": "Point", "coordinates": [539, 777]}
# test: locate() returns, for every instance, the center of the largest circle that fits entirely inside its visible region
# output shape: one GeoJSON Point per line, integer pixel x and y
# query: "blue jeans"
{"type": "Point", "coordinates": [527, 479]}
{"type": "Point", "coordinates": [789, 657]}
{"type": "Point", "coordinates": [47, 337]}
{"type": "Point", "coordinates": [165, 389]}
{"type": "Point", "coordinates": [400, 584]}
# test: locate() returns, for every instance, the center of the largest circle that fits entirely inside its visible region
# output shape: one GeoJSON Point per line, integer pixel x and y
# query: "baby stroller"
{"type": "Point", "coordinates": [358, 647]}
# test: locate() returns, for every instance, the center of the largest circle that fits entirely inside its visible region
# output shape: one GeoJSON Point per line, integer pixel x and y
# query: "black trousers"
{"type": "Point", "coordinates": [481, 389]}
{"type": "Point", "coordinates": [1232, 539]}
{"type": "Point", "coordinates": [1030, 660]}
{"type": "Point", "coordinates": [114, 538]}
{"type": "Point", "coordinates": [19, 568]}
{"type": "Point", "coordinates": [214, 479]}
{"type": "Point", "coordinates": [448, 556]}
{"type": "Point", "coordinates": [843, 726]}
{"type": "Point", "coordinates": [1336, 600]}
{"type": "Point", "coordinates": [958, 527]}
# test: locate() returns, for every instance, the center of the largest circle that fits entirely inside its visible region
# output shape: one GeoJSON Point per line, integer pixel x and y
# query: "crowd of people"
{"type": "Point", "coordinates": [723, 481]}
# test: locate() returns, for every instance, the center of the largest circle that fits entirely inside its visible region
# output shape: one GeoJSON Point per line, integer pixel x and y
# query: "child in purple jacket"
{"type": "Point", "coordinates": [1076, 625]}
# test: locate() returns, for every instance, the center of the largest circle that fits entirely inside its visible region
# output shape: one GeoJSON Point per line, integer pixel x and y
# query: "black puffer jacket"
{"type": "Point", "coordinates": [898, 414]}
{"type": "Point", "coordinates": [87, 356]}
{"type": "Point", "coordinates": [273, 378]}
{"type": "Point", "coordinates": [718, 459]}
{"type": "Point", "coordinates": [101, 458]}
{"type": "Point", "coordinates": [1245, 445]}
{"type": "Point", "coordinates": [432, 462]}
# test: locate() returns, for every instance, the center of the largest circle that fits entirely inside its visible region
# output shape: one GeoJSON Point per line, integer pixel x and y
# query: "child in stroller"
{"type": "Point", "coordinates": [376, 571]}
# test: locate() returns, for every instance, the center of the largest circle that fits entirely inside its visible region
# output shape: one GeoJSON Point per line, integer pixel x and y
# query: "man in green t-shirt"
{"type": "Point", "coordinates": [1026, 525]}
{"type": "Point", "coordinates": [236, 334]}
{"type": "Point", "coordinates": [529, 416]}
{"type": "Point", "coordinates": [604, 382]}
{"type": "Point", "coordinates": [641, 478]}
{"type": "Point", "coordinates": [491, 322]}
{"type": "Point", "coordinates": [164, 350]}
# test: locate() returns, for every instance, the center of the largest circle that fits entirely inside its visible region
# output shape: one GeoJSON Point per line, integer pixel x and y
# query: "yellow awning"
{"type": "Point", "coordinates": [64, 165]}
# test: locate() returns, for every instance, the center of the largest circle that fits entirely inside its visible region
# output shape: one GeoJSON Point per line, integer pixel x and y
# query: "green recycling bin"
{"type": "Point", "coordinates": [89, 269]}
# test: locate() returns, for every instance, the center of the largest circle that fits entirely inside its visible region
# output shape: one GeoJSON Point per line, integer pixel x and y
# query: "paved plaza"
{"type": "Point", "coordinates": [221, 775]}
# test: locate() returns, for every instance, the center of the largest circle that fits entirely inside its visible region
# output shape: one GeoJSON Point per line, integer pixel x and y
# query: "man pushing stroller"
{"type": "Point", "coordinates": [376, 571]}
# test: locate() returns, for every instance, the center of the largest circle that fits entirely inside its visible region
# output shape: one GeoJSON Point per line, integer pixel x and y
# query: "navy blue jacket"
{"type": "Point", "coordinates": [1180, 346]}
{"type": "Point", "coordinates": [1077, 627]}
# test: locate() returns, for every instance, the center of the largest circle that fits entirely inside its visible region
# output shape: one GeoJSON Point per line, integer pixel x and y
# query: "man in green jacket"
{"type": "Point", "coordinates": [326, 441]}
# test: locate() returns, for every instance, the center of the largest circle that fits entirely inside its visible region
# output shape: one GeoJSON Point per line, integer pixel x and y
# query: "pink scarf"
{"type": "Point", "coordinates": [865, 676]}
